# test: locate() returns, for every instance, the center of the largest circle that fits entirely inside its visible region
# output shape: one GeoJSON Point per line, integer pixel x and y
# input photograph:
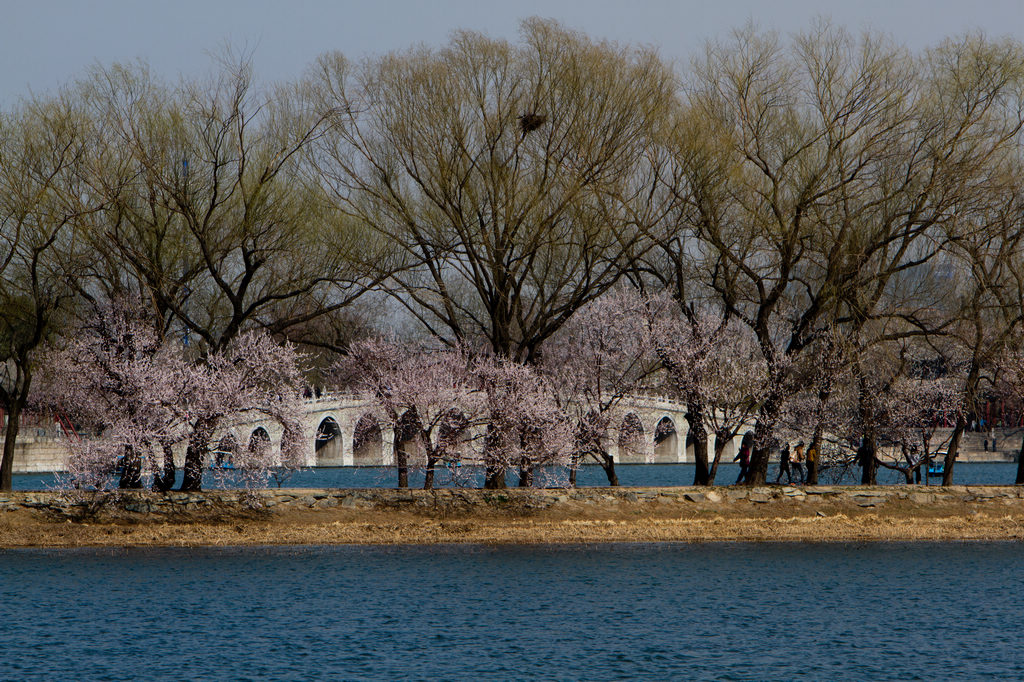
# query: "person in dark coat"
{"type": "Point", "coordinates": [743, 457]}
{"type": "Point", "coordinates": [784, 465]}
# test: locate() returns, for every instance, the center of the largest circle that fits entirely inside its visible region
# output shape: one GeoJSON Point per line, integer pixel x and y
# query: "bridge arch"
{"type": "Point", "coordinates": [259, 440]}
{"type": "Point", "coordinates": [454, 435]}
{"type": "Point", "coordinates": [632, 445]}
{"type": "Point", "coordinates": [329, 443]}
{"type": "Point", "coordinates": [406, 430]}
{"type": "Point", "coordinates": [367, 441]}
{"type": "Point", "coordinates": [227, 448]}
{"type": "Point", "coordinates": [666, 440]}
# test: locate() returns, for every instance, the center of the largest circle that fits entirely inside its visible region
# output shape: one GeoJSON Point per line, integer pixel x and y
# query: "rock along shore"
{"type": "Point", "coordinates": [389, 516]}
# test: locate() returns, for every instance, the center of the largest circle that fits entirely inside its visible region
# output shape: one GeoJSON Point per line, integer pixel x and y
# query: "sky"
{"type": "Point", "coordinates": [47, 43]}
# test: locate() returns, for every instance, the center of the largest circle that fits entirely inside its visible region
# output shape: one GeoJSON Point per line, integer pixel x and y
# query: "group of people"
{"type": "Point", "coordinates": [789, 462]}
{"type": "Point", "coordinates": [793, 462]}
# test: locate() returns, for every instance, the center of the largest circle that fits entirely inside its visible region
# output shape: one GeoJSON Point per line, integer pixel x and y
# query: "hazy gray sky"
{"type": "Point", "coordinates": [45, 43]}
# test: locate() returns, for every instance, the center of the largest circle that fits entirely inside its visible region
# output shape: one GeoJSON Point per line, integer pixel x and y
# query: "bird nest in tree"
{"type": "Point", "coordinates": [530, 122]}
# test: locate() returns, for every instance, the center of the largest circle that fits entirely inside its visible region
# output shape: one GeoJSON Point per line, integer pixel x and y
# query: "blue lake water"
{"type": "Point", "coordinates": [717, 611]}
{"type": "Point", "coordinates": [965, 473]}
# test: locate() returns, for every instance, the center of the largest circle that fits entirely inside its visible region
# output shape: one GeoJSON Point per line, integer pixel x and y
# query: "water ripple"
{"type": "Point", "coordinates": [899, 611]}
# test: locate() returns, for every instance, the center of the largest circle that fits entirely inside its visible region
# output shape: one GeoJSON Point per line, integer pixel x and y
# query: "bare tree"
{"type": "Point", "coordinates": [206, 204]}
{"type": "Point", "coordinates": [845, 158]}
{"type": "Point", "coordinates": [987, 298]}
{"type": "Point", "coordinates": [512, 178]}
{"type": "Point", "coordinates": [41, 148]}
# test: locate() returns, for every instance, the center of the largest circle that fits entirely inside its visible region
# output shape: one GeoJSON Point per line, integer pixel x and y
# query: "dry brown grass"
{"type": "Point", "coordinates": [813, 520]}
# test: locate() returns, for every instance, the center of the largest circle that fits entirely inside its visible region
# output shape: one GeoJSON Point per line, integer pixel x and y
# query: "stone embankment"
{"type": "Point", "coordinates": [467, 499]}
{"type": "Point", "coordinates": [124, 503]}
{"type": "Point", "coordinates": [388, 516]}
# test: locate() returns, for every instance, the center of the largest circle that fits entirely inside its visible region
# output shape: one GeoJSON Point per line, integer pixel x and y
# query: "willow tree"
{"type": "Point", "coordinates": [845, 158]}
{"type": "Point", "coordinates": [206, 204]}
{"type": "Point", "coordinates": [41, 146]}
{"type": "Point", "coordinates": [986, 301]}
{"type": "Point", "coordinates": [512, 177]}
{"type": "Point", "coordinates": [207, 207]}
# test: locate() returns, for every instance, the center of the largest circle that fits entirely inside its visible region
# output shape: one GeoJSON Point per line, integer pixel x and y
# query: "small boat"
{"type": "Point", "coordinates": [936, 469]}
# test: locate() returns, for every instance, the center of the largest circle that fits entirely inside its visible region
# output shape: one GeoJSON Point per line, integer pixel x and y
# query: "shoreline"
{"type": "Point", "coordinates": [513, 517]}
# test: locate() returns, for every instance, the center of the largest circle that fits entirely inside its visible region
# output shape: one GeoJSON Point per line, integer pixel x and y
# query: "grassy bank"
{"type": "Point", "coordinates": [516, 517]}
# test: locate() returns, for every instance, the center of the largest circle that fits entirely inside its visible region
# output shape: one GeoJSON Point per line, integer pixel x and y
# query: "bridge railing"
{"type": "Point", "coordinates": [345, 396]}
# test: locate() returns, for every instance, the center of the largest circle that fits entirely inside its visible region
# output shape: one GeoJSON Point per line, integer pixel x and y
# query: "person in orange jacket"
{"type": "Point", "coordinates": [798, 461]}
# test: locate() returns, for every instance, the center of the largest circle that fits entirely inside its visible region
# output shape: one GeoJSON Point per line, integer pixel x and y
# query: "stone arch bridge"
{"type": "Point", "coordinates": [352, 431]}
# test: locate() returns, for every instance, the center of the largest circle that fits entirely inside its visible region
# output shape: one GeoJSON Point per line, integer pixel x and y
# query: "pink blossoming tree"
{"type": "Point", "coordinates": [603, 355]}
{"type": "Point", "coordinates": [142, 397]}
{"type": "Point", "coordinates": [527, 428]}
{"type": "Point", "coordinates": [714, 365]}
{"type": "Point", "coordinates": [429, 394]}
{"type": "Point", "coordinates": [458, 408]}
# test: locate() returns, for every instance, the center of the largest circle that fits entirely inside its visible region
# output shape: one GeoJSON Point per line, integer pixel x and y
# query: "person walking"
{"type": "Point", "coordinates": [812, 464]}
{"type": "Point", "coordinates": [784, 465]}
{"type": "Point", "coordinates": [743, 457]}
{"type": "Point", "coordinates": [798, 461]}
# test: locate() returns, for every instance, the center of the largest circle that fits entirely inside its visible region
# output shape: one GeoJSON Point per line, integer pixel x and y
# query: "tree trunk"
{"type": "Point", "coordinates": [574, 464]}
{"type": "Point", "coordinates": [699, 435]}
{"type": "Point", "coordinates": [866, 457]}
{"type": "Point", "coordinates": [757, 472]}
{"type": "Point", "coordinates": [867, 453]}
{"type": "Point", "coordinates": [761, 450]}
{"type": "Point", "coordinates": [431, 454]}
{"type": "Point", "coordinates": [701, 473]}
{"type": "Point", "coordinates": [164, 481]}
{"type": "Point", "coordinates": [494, 478]}
{"type": "Point", "coordinates": [525, 474]}
{"type": "Point", "coordinates": [195, 455]}
{"type": "Point", "coordinates": [192, 480]}
{"type": "Point", "coordinates": [1020, 464]}
{"type": "Point", "coordinates": [131, 469]}
{"type": "Point", "coordinates": [10, 436]}
{"type": "Point", "coordinates": [719, 449]}
{"type": "Point", "coordinates": [954, 448]}
{"type": "Point", "coordinates": [815, 449]}
{"type": "Point", "coordinates": [608, 464]}
{"type": "Point", "coordinates": [402, 463]}
{"type": "Point", "coordinates": [970, 392]}
{"type": "Point", "coordinates": [494, 471]}
{"type": "Point", "coordinates": [428, 476]}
